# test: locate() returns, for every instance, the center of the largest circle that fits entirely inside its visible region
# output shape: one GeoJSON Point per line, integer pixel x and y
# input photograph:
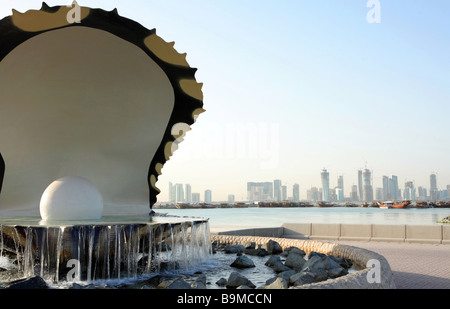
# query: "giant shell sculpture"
{"type": "Point", "coordinates": [86, 92]}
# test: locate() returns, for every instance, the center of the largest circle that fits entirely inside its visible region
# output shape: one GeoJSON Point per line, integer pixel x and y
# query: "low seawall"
{"type": "Point", "coordinates": [429, 234]}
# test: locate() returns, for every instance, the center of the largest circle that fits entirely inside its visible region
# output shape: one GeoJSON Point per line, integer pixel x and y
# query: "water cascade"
{"type": "Point", "coordinates": [103, 251]}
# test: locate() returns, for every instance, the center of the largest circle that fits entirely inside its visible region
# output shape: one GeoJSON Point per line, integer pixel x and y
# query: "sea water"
{"type": "Point", "coordinates": [275, 217]}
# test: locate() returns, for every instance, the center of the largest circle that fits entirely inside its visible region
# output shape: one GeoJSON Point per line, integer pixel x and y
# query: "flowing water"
{"type": "Point", "coordinates": [101, 251]}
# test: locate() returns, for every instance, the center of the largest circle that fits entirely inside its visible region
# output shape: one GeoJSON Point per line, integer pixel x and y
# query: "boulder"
{"type": "Point", "coordinates": [303, 277]}
{"type": "Point", "coordinates": [199, 283]}
{"type": "Point", "coordinates": [28, 283]}
{"type": "Point", "coordinates": [275, 263]}
{"type": "Point", "coordinates": [333, 268]}
{"type": "Point", "coordinates": [295, 261]}
{"type": "Point", "coordinates": [256, 252]}
{"type": "Point", "coordinates": [236, 279]}
{"type": "Point", "coordinates": [243, 261]}
{"type": "Point", "coordinates": [178, 284]}
{"type": "Point", "coordinates": [286, 274]}
{"type": "Point", "coordinates": [286, 251]}
{"type": "Point", "coordinates": [278, 283]}
{"type": "Point", "coordinates": [221, 282]}
{"type": "Point", "coordinates": [230, 249]}
{"type": "Point", "coordinates": [272, 247]}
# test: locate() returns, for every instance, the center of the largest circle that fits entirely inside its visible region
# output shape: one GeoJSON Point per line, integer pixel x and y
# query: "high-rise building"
{"type": "Point", "coordinates": [284, 193]}
{"type": "Point", "coordinates": [434, 192]}
{"type": "Point", "coordinates": [277, 190]}
{"type": "Point", "coordinates": [340, 182]}
{"type": "Point", "coordinates": [354, 194]}
{"type": "Point", "coordinates": [386, 193]}
{"type": "Point", "coordinates": [410, 192]}
{"type": "Point", "coordinates": [179, 192]}
{"type": "Point", "coordinates": [325, 176]}
{"type": "Point", "coordinates": [208, 196]}
{"type": "Point", "coordinates": [230, 198]}
{"type": "Point", "coordinates": [195, 198]}
{"type": "Point", "coordinates": [188, 193]}
{"type": "Point", "coordinates": [313, 194]}
{"type": "Point", "coordinates": [433, 182]}
{"type": "Point", "coordinates": [367, 186]}
{"type": "Point", "coordinates": [296, 192]}
{"type": "Point", "coordinates": [395, 191]}
{"type": "Point", "coordinates": [360, 185]}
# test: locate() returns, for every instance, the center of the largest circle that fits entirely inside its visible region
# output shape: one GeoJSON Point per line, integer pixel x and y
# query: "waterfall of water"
{"type": "Point", "coordinates": [101, 252]}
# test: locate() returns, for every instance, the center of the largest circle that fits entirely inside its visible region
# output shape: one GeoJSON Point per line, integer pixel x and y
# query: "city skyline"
{"type": "Point", "coordinates": [293, 87]}
{"type": "Point", "coordinates": [364, 191]}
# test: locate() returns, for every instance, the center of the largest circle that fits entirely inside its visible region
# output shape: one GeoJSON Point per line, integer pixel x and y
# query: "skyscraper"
{"type": "Point", "coordinates": [367, 186]}
{"type": "Point", "coordinates": [277, 190]}
{"type": "Point", "coordinates": [208, 196]}
{"type": "Point", "coordinates": [180, 193]}
{"type": "Point", "coordinates": [195, 198]}
{"type": "Point", "coordinates": [325, 176]}
{"type": "Point", "coordinates": [296, 192]}
{"type": "Point", "coordinates": [360, 185]}
{"type": "Point", "coordinates": [284, 193]}
{"type": "Point", "coordinates": [434, 193]}
{"type": "Point", "coordinates": [395, 195]}
{"type": "Point", "coordinates": [188, 193]}
{"type": "Point", "coordinates": [386, 195]}
{"type": "Point", "coordinates": [354, 194]}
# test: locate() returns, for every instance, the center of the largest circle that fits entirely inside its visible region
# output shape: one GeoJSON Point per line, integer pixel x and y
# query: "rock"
{"type": "Point", "coordinates": [250, 245]}
{"type": "Point", "coordinates": [295, 261]}
{"type": "Point", "coordinates": [275, 263]}
{"type": "Point", "coordinates": [313, 253]}
{"type": "Point", "coordinates": [278, 284]}
{"type": "Point", "coordinates": [28, 283]}
{"type": "Point", "coordinates": [234, 249]}
{"type": "Point", "coordinates": [256, 252]}
{"type": "Point", "coordinates": [236, 279]}
{"type": "Point", "coordinates": [317, 266]}
{"type": "Point", "coordinates": [272, 260]}
{"type": "Point", "coordinates": [178, 284]}
{"type": "Point", "coordinates": [333, 268]}
{"type": "Point", "coordinates": [303, 277]}
{"type": "Point", "coordinates": [273, 247]}
{"type": "Point", "coordinates": [287, 274]}
{"type": "Point", "coordinates": [199, 283]}
{"type": "Point", "coordinates": [221, 282]}
{"type": "Point", "coordinates": [244, 287]}
{"type": "Point", "coordinates": [286, 251]}
{"type": "Point", "coordinates": [243, 261]}
{"type": "Point", "coordinates": [344, 262]}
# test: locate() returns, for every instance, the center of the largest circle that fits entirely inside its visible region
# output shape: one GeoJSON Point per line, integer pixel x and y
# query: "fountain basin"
{"type": "Point", "coordinates": [114, 247]}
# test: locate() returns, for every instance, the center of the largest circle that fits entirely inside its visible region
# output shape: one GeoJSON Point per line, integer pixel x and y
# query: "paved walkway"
{"type": "Point", "coordinates": [415, 266]}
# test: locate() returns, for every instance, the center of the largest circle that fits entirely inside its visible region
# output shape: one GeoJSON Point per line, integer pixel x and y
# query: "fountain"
{"type": "Point", "coordinates": [93, 105]}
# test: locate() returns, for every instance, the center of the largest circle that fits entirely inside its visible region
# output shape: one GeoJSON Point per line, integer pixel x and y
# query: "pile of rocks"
{"type": "Point", "coordinates": [291, 266]}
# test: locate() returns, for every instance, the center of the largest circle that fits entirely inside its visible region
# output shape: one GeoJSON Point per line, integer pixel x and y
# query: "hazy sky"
{"type": "Point", "coordinates": [295, 86]}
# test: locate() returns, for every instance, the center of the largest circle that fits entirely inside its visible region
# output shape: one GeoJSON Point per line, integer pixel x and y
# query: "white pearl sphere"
{"type": "Point", "coordinates": [71, 198]}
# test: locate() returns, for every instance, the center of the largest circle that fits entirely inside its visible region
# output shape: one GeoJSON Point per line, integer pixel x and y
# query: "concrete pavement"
{"type": "Point", "coordinates": [415, 266]}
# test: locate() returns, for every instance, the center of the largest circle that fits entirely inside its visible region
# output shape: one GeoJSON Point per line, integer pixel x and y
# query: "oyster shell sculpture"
{"type": "Point", "coordinates": [88, 93]}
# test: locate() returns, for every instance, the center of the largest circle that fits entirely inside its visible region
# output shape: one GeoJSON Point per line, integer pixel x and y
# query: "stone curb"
{"type": "Point", "coordinates": [357, 280]}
